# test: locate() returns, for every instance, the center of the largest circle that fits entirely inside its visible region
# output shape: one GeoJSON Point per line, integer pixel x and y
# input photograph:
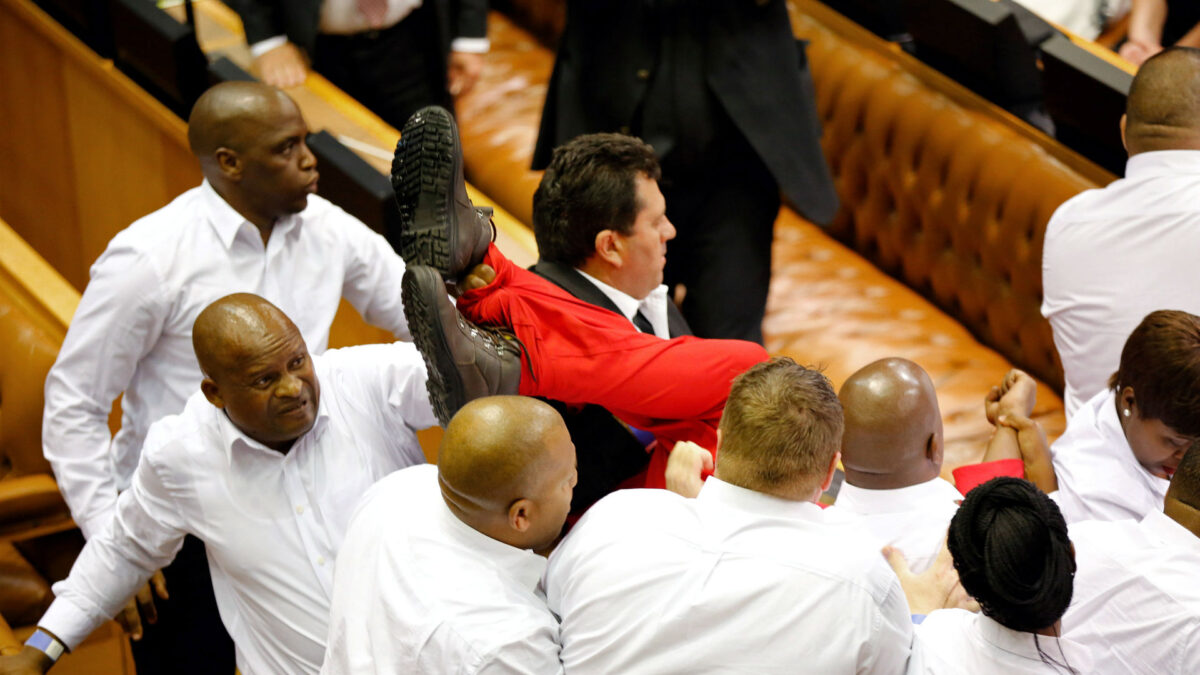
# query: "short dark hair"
{"type": "Point", "coordinates": [1161, 362]}
{"type": "Point", "coordinates": [782, 426]}
{"type": "Point", "coordinates": [1012, 553]}
{"type": "Point", "coordinates": [589, 187]}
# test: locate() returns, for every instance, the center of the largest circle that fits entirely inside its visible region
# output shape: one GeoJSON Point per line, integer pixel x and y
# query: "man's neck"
{"type": "Point", "coordinates": [264, 224]}
{"type": "Point", "coordinates": [884, 481]}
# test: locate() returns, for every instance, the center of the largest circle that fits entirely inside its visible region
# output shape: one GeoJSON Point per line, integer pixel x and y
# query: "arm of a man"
{"type": "Point", "coordinates": [143, 536]}
{"type": "Point", "coordinates": [468, 47]}
{"type": "Point", "coordinates": [279, 62]}
{"type": "Point", "coordinates": [373, 274]}
{"type": "Point", "coordinates": [118, 321]}
{"type": "Point", "coordinates": [1146, 21]}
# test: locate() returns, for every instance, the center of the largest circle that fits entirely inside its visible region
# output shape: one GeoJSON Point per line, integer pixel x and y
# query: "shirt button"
{"type": "Point", "coordinates": [300, 510]}
{"type": "Point", "coordinates": [643, 74]}
{"type": "Point", "coordinates": [320, 560]}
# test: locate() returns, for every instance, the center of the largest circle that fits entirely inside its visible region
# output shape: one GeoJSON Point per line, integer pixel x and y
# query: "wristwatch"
{"type": "Point", "coordinates": [46, 643]}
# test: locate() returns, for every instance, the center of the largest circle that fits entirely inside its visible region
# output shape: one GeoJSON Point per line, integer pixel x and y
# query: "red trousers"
{"type": "Point", "coordinates": [580, 353]}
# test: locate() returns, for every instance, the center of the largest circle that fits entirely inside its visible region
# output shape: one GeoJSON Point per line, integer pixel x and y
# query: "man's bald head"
{"type": "Point", "coordinates": [500, 452]}
{"type": "Point", "coordinates": [231, 115]}
{"type": "Point", "coordinates": [893, 435]}
{"type": "Point", "coordinates": [1163, 108]}
{"type": "Point", "coordinates": [257, 369]}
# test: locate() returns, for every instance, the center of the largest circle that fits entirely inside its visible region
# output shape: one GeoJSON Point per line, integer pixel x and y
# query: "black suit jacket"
{"type": "Point", "coordinates": [753, 65]}
{"type": "Point", "coordinates": [297, 19]}
{"type": "Point", "coordinates": [605, 451]}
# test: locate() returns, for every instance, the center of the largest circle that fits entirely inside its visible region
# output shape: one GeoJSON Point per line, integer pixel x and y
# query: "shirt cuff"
{"type": "Point", "coordinates": [263, 46]}
{"type": "Point", "coordinates": [70, 624]}
{"type": "Point", "coordinates": [470, 45]}
{"type": "Point", "coordinates": [972, 475]}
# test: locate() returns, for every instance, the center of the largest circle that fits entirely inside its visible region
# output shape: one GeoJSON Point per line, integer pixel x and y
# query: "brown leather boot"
{"type": "Point", "coordinates": [439, 226]}
{"type": "Point", "coordinates": [464, 361]}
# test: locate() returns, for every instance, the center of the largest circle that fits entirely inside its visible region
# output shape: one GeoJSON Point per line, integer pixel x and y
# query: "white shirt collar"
{"type": "Point", "coordinates": [227, 222]}
{"type": "Point", "coordinates": [653, 306]}
{"type": "Point", "coordinates": [523, 565]}
{"type": "Point", "coordinates": [718, 491]}
{"type": "Point", "coordinates": [234, 439]}
{"type": "Point", "coordinates": [1013, 641]}
{"type": "Point", "coordinates": [1162, 162]}
{"type": "Point", "coordinates": [864, 501]}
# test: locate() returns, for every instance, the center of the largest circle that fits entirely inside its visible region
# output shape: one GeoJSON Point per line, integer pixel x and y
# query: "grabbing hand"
{"type": "Point", "coordinates": [685, 466]}
{"type": "Point", "coordinates": [464, 71]}
{"type": "Point", "coordinates": [141, 606]}
{"type": "Point", "coordinates": [28, 661]}
{"type": "Point", "coordinates": [1035, 451]}
{"type": "Point", "coordinates": [1016, 395]}
{"type": "Point", "coordinates": [936, 588]}
{"type": "Point", "coordinates": [1137, 52]}
{"type": "Point", "coordinates": [283, 66]}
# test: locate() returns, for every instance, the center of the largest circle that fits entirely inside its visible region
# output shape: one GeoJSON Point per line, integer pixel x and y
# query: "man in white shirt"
{"type": "Point", "coordinates": [438, 572]}
{"type": "Point", "coordinates": [393, 56]}
{"type": "Point", "coordinates": [1136, 602]}
{"type": "Point", "coordinates": [265, 466]}
{"type": "Point", "coordinates": [253, 225]}
{"type": "Point", "coordinates": [1113, 255]}
{"type": "Point", "coordinates": [747, 577]}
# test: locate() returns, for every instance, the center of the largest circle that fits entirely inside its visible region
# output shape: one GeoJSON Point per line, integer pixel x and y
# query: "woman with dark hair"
{"type": "Point", "coordinates": [1010, 548]}
{"type": "Point", "coordinates": [1120, 449]}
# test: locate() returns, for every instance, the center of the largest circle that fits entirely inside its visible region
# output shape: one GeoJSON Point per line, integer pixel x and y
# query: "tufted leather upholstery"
{"type": "Point", "coordinates": [937, 247]}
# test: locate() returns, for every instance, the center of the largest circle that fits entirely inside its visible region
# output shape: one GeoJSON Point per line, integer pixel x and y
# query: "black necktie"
{"type": "Point", "coordinates": [642, 323]}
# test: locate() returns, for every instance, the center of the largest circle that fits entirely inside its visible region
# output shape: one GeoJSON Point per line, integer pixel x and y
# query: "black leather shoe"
{"type": "Point", "coordinates": [464, 361]}
{"type": "Point", "coordinates": [439, 226]}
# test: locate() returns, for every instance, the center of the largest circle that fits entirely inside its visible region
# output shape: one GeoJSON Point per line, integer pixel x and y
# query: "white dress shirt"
{"type": "Point", "coordinates": [1137, 596]}
{"type": "Point", "coordinates": [1114, 255]}
{"type": "Point", "coordinates": [653, 306]}
{"type": "Point", "coordinates": [733, 581]}
{"type": "Point", "coordinates": [955, 641]}
{"type": "Point", "coordinates": [132, 332]}
{"type": "Point", "coordinates": [1098, 476]}
{"type": "Point", "coordinates": [271, 523]}
{"type": "Point", "coordinates": [419, 591]}
{"type": "Point", "coordinates": [913, 519]}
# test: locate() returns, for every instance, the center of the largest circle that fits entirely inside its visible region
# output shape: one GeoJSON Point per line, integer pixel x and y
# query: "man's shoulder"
{"type": "Point", "coordinates": [188, 434]}
{"type": "Point", "coordinates": [163, 227]}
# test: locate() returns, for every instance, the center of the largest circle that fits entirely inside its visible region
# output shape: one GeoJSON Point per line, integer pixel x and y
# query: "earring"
{"type": "Point", "coordinates": [1127, 412]}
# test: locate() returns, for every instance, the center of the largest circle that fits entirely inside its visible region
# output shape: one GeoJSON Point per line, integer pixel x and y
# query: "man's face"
{"type": "Point", "coordinates": [278, 169]}
{"type": "Point", "coordinates": [272, 393]}
{"type": "Point", "coordinates": [554, 489]}
{"type": "Point", "coordinates": [644, 249]}
{"type": "Point", "coordinates": [1157, 447]}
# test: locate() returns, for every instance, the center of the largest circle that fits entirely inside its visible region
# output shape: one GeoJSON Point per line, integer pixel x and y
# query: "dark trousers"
{"type": "Point", "coordinates": [394, 72]}
{"type": "Point", "coordinates": [189, 637]}
{"type": "Point", "coordinates": [723, 208]}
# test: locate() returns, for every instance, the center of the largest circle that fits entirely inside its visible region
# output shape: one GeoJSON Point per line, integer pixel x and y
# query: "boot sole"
{"type": "Point", "coordinates": [424, 169]}
{"type": "Point", "coordinates": [443, 382]}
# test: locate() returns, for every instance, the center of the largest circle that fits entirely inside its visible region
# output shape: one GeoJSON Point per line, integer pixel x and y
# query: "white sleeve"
{"type": "Point", "coordinates": [891, 639]}
{"type": "Point", "coordinates": [373, 275]}
{"type": "Point", "coordinates": [143, 536]}
{"type": "Point", "coordinates": [118, 321]}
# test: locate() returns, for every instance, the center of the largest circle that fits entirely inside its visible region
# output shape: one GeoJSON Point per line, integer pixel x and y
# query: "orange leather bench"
{"type": "Point", "coordinates": [936, 252]}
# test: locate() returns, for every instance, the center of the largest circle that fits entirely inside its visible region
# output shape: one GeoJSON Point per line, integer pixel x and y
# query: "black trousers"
{"type": "Point", "coordinates": [723, 206]}
{"type": "Point", "coordinates": [189, 638]}
{"type": "Point", "coordinates": [394, 72]}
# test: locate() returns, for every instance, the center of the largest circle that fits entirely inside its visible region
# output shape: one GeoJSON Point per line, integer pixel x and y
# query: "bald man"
{"type": "Point", "coordinates": [1136, 602]}
{"type": "Point", "coordinates": [892, 455]}
{"type": "Point", "coordinates": [438, 572]}
{"type": "Point", "coordinates": [1113, 255]}
{"type": "Point", "coordinates": [253, 225]}
{"type": "Point", "coordinates": [264, 465]}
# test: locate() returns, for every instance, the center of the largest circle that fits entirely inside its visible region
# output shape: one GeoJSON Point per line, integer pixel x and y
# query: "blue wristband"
{"type": "Point", "coordinates": [47, 644]}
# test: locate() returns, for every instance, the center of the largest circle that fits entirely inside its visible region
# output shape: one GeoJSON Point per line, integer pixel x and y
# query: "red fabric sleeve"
{"type": "Point", "coordinates": [972, 475]}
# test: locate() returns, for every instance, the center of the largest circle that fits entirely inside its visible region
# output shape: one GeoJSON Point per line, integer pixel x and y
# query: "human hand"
{"type": "Point", "coordinates": [1016, 395]}
{"type": "Point", "coordinates": [28, 661]}
{"type": "Point", "coordinates": [1035, 451]}
{"type": "Point", "coordinates": [1137, 51]}
{"type": "Point", "coordinates": [283, 66]}
{"type": "Point", "coordinates": [684, 468]}
{"type": "Point", "coordinates": [141, 605]}
{"type": "Point", "coordinates": [936, 588]}
{"type": "Point", "coordinates": [464, 71]}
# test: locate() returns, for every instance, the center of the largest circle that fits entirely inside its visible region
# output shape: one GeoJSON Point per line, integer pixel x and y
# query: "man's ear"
{"type": "Point", "coordinates": [212, 393]}
{"type": "Point", "coordinates": [609, 248]}
{"type": "Point", "coordinates": [833, 465]}
{"type": "Point", "coordinates": [1124, 143]}
{"type": "Point", "coordinates": [519, 514]}
{"type": "Point", "coordinates": [229, 163]}
{"type": "Point", "coordinates": [934, 449]}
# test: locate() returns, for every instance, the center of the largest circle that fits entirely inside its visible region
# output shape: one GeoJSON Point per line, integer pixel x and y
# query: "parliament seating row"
{"type": "Point", "coordinates": [936, 252]}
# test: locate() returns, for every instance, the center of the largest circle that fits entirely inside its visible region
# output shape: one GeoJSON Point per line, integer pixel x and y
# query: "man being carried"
{"type": "Point", "coordinates": [437, 573]}
{"type": "Point", "coordinates": [264, 465]}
